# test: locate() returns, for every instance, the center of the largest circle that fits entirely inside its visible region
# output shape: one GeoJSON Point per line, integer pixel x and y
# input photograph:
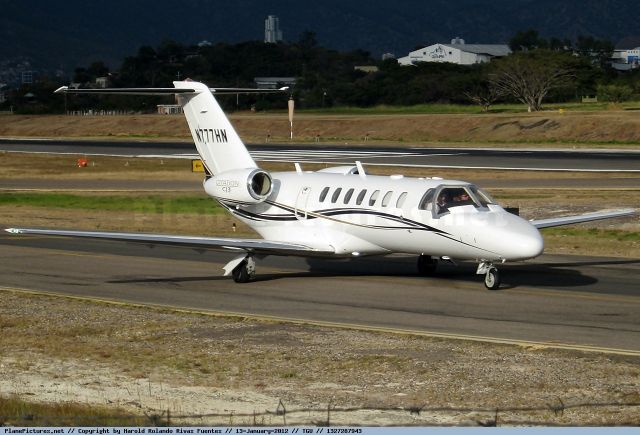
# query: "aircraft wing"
{"type": "Point", "coordinates": [257, 246]}
{"type": "Point", "coordinates": [568, 220]}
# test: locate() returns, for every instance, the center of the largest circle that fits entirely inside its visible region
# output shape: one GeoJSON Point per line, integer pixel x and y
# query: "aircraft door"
{"type": "Point", "coordinates": [301, 202]}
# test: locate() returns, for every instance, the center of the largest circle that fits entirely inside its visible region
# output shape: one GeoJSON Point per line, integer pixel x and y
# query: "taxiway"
{"type": "Point", "coordinates": [555, 301]}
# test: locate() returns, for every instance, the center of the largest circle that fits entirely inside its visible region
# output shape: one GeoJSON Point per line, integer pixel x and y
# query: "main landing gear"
{"type": "Point", "coordinates": [491, 275]}
{"type": "Point", "coordinates": [242, 269]}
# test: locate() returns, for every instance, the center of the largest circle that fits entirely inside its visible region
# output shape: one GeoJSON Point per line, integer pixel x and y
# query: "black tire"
{"type": "Point", "coordinates": [240, 273]}
{"type": "Point", "coordinates": [426, 265]}
{"type": "Point", "coordinates": [492, 279]}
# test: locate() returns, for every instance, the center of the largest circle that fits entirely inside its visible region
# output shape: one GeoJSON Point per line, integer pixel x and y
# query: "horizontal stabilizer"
{"type": "Point", "coordinates": [163, 91]}
{"type": "Point", "coordinates": [569, 220]}
{"type": "Point", "coordinates": [258, 246]}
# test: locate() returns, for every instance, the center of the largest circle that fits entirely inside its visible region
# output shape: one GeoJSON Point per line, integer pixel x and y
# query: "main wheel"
{"type": "Point", "coordinates": [240, 273]}
{"type": "Point", "coordinates": [492, 279]}
{"type": "Point", "coordinates": [426, 265]}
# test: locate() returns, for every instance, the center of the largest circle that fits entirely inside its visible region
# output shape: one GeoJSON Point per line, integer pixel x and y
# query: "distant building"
{"type": "Point", "coordinates": [272, 32]}
{"type": "Point", "coordinates": [387, 56]}
{"type": "Point", "coordinates": [626, 54]}
{"type": "Point", "coordinates": [27, 77]}
{"type": "Point", "coordinates": [3, 93]}
{"type": "Point", "coordinates": [366, 68]}
{"type": "Point", "coordinates": [102, 82]}
{"type": "Point", "coordinates": [456, 52]}
{"type": "Point", "coordinates": [169, 109]}
{"type": "Point", "coordinates": [274, 82]}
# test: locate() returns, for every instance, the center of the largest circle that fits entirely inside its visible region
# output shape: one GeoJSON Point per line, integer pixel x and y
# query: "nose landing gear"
{"type": "Point", "coordinates": [491, 275]}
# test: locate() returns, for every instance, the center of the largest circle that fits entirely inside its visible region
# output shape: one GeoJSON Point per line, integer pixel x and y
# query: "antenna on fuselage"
{"type": "Point", "coordinates": [361, 171]}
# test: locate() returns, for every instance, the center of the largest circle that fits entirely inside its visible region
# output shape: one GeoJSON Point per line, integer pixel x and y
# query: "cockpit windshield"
{"type": "Point", "coordinates": [453, 197]}
{"type": "Point", "coordinates": [441, 199]}
{"type": "Point", "coordinates": [448, 197]}
{"type": "Point", "coordinates": [482, 196]}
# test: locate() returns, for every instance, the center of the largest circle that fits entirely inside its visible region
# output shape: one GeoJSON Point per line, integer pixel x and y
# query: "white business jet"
{"type": "Point", "coordinates": [337, 212]}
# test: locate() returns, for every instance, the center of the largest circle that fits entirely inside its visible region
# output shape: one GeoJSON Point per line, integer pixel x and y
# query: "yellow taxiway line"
{"type": "Point", "coordinates": [532, 345]}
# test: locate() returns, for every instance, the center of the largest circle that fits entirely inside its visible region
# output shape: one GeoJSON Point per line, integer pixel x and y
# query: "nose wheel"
{"type": "Point", "coordinates": [491, 275]}
{"type": "Point", "coordinates": [492, 279]}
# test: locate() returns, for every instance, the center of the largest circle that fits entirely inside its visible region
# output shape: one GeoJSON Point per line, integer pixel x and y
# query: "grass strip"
{"type": "Point", "coordinates": [439, 108]}
{"type": "Point", "coordinates": [597, 233]}
{"type": "Point", "coordinates": [14, 411]}
{"type": "Point", "coordinates": [144, 204]}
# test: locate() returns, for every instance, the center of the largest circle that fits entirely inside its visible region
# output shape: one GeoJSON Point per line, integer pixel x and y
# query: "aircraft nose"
{"type": "Point", "coordinates": [527, 245]}
{"type": "Point", "coordinates": [523, 240]}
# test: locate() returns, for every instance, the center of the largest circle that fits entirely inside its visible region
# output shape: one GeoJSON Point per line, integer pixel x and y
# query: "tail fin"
{"type": "Point", "coordinates": [217, 142]}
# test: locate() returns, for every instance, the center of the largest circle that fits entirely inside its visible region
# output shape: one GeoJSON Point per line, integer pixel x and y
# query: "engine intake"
{"type": "Point", "coordinates": [243, 186]}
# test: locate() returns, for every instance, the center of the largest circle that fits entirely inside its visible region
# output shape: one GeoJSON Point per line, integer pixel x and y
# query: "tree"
{"type": "Point", "coordinates": [598, 50]}
{"type": "Point", "coordinates": [484, 94]}
{"type": "Point", "coordinates": [529, 76]}
{"type": "Point", "coordinates": [527, 40]}
{"type": "Point", "coordinates": [615, 93]}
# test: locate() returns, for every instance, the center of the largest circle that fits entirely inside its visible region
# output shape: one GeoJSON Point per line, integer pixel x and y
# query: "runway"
{"type": "Point", "coordinates": [558, 301]}
{"type": "Point", "coordinates": [406, 155]}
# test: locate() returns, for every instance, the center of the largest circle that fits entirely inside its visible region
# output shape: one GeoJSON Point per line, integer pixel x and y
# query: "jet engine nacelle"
{"type": "Point", "coordinates": [242, 186]}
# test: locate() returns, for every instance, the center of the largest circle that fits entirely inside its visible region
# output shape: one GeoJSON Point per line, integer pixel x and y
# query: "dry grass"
{"type": "Point", "coordinates": [18, 412]}
{"type": "Point", "coordinates": [311, 365]}
{"type": "Point", "coordinates": [39, 166]}
{"type": "Point", "coordinates": [606, 128]}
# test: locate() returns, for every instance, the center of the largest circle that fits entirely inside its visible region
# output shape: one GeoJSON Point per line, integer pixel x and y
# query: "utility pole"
{"type": "Point", "coordinates": [291, 105]}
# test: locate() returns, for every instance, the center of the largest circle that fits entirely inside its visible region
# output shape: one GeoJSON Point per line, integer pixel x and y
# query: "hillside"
{"type": "Point", "coordinates": [67, 34]}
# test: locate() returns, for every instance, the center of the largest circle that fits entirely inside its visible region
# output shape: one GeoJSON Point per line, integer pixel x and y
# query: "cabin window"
{"type": "Point", "coordinates": [348, 195]}
{"type": "Point", "coordinates": [336, 194]}
{"type": "Point", "coordinates": [425, 202]}
{"type": "Point", "coordinates": [401, 199]}
{"type": "Point", "coordinates": [361, 196]}
{"type": "Point", "coordinates": [386, 198]}
{"type": "Point", "coordinates": [323, 194]}
{"type": "Point", "coordinates": [374, 198]}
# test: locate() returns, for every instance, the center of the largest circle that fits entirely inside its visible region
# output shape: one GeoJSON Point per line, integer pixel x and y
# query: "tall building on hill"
{"type": "Point", "coordinates": [272, 32]}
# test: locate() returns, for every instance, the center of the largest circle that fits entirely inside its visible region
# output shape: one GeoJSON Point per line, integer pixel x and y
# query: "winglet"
{"type": "Point", "coordinates": [61, 90]}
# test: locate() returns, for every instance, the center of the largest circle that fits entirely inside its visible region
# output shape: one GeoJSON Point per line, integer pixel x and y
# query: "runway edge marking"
{"type": "Point", "coordinates": [530, 345]}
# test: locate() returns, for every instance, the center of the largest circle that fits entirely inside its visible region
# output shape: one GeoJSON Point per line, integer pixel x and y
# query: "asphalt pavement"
{"type": "Point", "coordinates": [406, 155]}
{"type": "Point", "coordinates": [555, 300]}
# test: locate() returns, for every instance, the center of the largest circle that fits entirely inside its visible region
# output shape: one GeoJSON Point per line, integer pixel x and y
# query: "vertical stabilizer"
{"type": "Point", "coordinates": [217, 142]}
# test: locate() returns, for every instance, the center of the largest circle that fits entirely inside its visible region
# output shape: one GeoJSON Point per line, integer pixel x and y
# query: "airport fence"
{"type": "Point", "coordinates": [549, 414]}
{"type": "Point", "coordinates": [99, 112]}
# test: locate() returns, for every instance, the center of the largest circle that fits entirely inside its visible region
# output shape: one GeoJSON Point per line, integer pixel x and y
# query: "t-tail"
{"type": "Point", "coordinates": [232, 175]}
{"type": "Point", "coordinates": [217, 142]}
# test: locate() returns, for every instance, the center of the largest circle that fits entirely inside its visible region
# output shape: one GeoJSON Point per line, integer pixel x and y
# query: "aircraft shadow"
{"type": "Point", "coordinates": [175, 279]}
{"type": "Point", "coordinates": [603, 262]}
{"type": "Point", "coordinates": [552, 275]}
